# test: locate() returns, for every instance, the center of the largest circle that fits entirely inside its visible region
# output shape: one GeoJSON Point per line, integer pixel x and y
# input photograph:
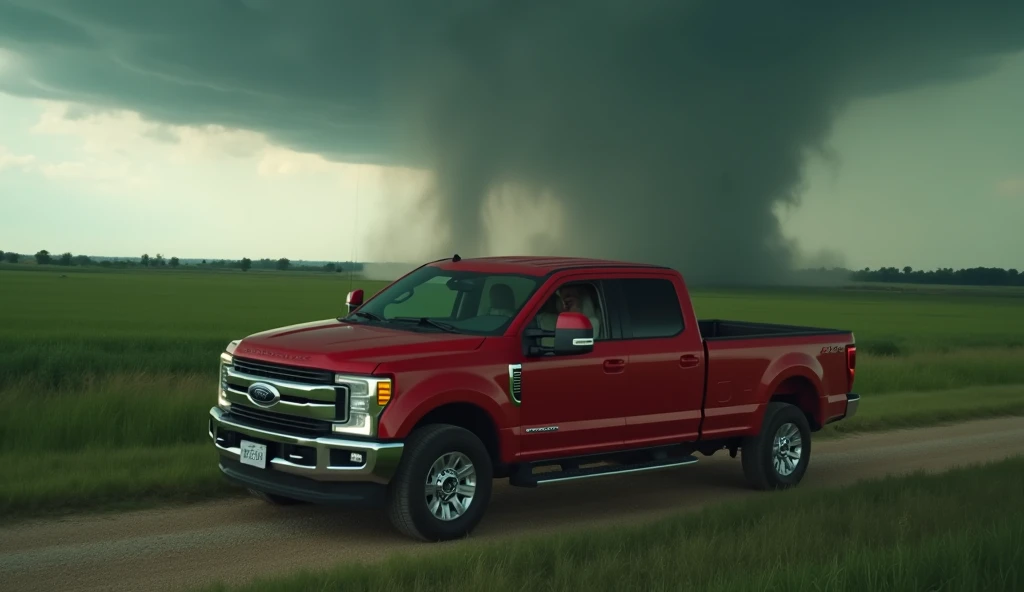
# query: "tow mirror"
{"type": "Point", "coordinates": [573, 334]}
{"type": "Point", "coordinates": [354, 300]}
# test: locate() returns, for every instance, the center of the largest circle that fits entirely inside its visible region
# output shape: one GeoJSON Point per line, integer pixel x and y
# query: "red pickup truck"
{"type": "Point", "coordinates": [536, 370]}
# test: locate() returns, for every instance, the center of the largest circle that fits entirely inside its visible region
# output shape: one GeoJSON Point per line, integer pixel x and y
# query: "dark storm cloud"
{"type": "Point", "coordinates": [293, 73]}
{"type": "Point", "coordinates": [670, 129]}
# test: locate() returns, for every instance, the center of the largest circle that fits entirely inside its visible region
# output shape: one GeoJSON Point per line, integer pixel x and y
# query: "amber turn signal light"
{"type": "Point", "coordinates": [383, 392]}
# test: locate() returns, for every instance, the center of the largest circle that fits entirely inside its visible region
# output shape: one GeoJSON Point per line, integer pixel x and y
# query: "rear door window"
{"type": "Point", "coordinates": [652, 307]}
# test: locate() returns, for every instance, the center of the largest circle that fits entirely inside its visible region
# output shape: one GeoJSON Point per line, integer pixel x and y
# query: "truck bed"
{"type": "Point", "coordinates": [718, 330]}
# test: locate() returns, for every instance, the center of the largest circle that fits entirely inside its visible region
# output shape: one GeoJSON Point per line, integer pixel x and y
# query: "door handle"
{"type": "Point", "coordinates": [614, 365]}
{"type": "Point", "coordinates": [688, 361]}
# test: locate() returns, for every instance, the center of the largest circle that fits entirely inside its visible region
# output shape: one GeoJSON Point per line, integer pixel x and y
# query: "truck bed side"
{"type": "Point", "coordinates": [718, 330]}
{"type": "Point", "coordinates": [801, 365]}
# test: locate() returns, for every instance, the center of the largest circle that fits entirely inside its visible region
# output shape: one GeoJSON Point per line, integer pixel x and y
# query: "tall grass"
{"type": "Point", "coordinates": [926, 408]}
{"type": "Point", "coordinates": [48, 482]}
{"type": "Point", "coordinates": [928, 371]}
{"type": "Point", "coordinates": [122, 411]}
{"type": "Point", "coordinates": [963, 530]}
{"type": "Point", "coordinates": [78, 364]}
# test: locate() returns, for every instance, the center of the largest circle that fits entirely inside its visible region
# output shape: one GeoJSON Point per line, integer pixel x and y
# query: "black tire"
{"type": "Point", "coordinates": [758, 458]}
{"type": "Point", "coordinates": [407, 504]}
{"type": "Point", "coordinates": [271, 498]}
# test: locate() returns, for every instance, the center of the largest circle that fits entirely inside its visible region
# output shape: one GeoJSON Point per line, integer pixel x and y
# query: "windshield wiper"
{"type": "Point", "coordinates": [367, 315]}
{"type": "Point", "coordinates": [425, 321]}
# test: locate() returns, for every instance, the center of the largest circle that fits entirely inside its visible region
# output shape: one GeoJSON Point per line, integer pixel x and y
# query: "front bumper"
{"type": "Point", "coordinates": [319, 459]}
{"type": "Point", "coordinates": [349, 494]}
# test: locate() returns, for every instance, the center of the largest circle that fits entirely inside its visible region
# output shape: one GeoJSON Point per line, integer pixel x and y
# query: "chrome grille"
{"type": "Point", "coordinates": [283, 372]}
{"type": "Point", "coordinates": [302, 396]}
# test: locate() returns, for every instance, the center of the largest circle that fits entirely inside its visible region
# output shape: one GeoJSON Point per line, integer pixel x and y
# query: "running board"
{"type": "Point", "coordinates": [525, 477]}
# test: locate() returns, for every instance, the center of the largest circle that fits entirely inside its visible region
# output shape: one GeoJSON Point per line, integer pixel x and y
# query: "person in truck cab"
{"type": "Point", "coordinates": [578, 298]}
{"type": "Point", "coordinates": [568, 298]}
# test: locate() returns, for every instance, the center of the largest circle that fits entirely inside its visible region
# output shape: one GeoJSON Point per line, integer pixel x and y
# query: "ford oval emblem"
{"type": "Point", "coordinates": [263, 394]}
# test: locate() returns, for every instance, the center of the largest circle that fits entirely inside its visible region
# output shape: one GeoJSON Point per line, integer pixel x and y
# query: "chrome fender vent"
{"type": "Point", "coordinates": [515, 382]}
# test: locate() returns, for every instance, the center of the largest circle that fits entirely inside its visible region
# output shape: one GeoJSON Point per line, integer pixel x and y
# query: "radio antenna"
{"type": "Point", "coordinates": [355, 225]}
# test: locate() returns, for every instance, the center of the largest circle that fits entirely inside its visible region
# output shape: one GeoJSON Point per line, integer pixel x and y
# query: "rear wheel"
{"type": "Point", "coordinates": [443, 484]}
{"type": "Point", "coordinates": [777, 457]}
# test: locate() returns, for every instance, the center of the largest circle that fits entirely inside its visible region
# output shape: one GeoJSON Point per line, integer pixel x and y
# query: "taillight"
{"type": "Point", "coordinates": [851, 365]}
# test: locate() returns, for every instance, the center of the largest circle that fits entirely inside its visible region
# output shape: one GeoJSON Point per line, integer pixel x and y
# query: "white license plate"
{"type": "Point", "coordinates": [254, 454]}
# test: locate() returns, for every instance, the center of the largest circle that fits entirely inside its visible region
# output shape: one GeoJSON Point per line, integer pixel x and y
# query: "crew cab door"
{"type": "Point", "coordinates": [574, 404]}
{"type": "Point", "coordinates": [666, 359]}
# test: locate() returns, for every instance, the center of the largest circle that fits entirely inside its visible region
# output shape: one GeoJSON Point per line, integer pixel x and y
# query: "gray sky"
{"type": "Point", "coordinates": [212, 130]}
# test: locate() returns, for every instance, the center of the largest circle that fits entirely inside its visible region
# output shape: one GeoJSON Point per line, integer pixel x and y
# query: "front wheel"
{"type": "Point", "coordinates": [443, 484]}
{"type": "Point", "coordinates": [777, 457]}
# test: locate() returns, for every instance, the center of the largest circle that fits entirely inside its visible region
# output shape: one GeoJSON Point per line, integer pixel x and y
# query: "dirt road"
{"type": "Point", "coordinates": [175, 548]}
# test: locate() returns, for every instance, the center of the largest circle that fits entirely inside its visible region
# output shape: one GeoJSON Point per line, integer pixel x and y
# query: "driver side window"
{"type": "Point", "coordinates": [573, 296]}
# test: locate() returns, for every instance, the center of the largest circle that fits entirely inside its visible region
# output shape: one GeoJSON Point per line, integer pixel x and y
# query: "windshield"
{"type": "Point", "coordinates": [434, 299]}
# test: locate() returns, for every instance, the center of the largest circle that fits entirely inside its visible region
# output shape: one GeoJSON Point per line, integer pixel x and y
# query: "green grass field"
{"type": "Point", "coordinates": [962, 530]}
{"type": "Point", "coordinates": [121, 366]}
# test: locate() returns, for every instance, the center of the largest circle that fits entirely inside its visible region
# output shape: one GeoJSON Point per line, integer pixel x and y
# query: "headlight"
{"type": "Point", "coordinates": [226, 360]}
{"type": "Point", "coordinates": [366, 398]}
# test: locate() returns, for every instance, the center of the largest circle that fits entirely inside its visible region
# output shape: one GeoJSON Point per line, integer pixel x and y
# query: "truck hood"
{"type": "Point", "coordinates": [349, 347]}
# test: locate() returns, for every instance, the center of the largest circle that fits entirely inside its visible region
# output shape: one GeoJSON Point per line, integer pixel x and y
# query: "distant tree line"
{"type": "Point", "coordinates": [282, 264]}
{"type": "Point", "coordinates": [973, 276]}
{"type": "Point", "coordinates": [44, 257]}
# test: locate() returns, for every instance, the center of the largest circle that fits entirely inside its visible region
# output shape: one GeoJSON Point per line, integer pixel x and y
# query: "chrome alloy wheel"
{"type": "Point", "coordinates": [450, 486]}
{"type": "Point", "coordinates": [787, 448]}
